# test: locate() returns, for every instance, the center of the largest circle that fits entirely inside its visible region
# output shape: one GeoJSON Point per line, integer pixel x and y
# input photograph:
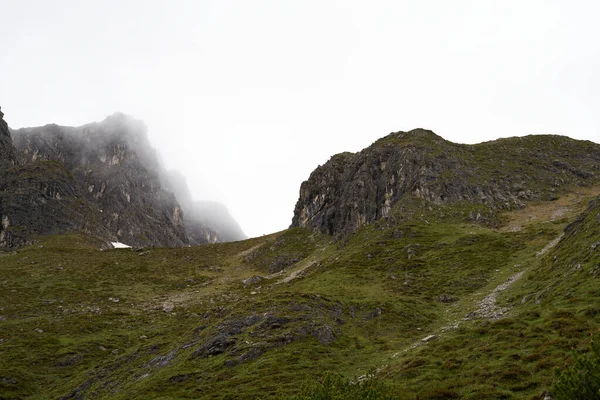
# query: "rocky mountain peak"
{"type": "Point", "coordinates": [352, 190]}
{"type": "Point", "coordinates": [415, 137]}
{"type": "Point", "coordinates": [418, 133]}
{"type": "Point", "coordinates": [111, 174]}
{"type": "Point", "coordinates": [3, 124]}
{"type": "Point", "coordinates": [119, 122]}
{"type": "Point", "coordinates": [7, 155]}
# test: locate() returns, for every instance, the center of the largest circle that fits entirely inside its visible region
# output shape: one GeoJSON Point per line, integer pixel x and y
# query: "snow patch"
{"type": "Point", "coordinates": [119, 245]}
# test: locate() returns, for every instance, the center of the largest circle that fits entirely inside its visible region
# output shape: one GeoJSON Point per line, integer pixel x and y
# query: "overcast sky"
{"type": "Point", "coordinates": [246, 98]}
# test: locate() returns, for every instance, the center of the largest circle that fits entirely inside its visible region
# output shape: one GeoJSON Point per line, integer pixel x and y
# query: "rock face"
{"type": "Point", "coordinates": [102, 178]}
{"type": "Point", "coordinates": [114, 170]}
{"type": "Point", "coordinates": [7, 155]}
{"type": "Point", "coordinates": [39, 198]}
{"type": "Point", "coordinates": [352, 190]}
{"type": "Point", "coordinates": [44, 198]}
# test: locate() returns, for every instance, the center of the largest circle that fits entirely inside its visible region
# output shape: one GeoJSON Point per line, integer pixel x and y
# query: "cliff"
{"type": "Point", "coordinates": [352, 190]}
{"type": "Point", "coordinates": [7, 154]}
{"type": "Point", "coordinates": [102, 178]}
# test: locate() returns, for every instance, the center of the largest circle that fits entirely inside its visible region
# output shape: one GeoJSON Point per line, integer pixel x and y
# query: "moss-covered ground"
{"type": "Point", "coordinates": [77, 322]}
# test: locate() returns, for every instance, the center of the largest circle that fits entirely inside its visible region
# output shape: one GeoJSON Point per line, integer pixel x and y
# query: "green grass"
{"type": "Point", "coordinates": [124, 324]}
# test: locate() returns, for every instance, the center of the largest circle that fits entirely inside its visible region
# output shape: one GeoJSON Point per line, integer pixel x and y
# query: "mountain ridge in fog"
{"type": "Point", "coordinates": [111, 168]}
{"type": "Point", "coordinates": [206, 212]}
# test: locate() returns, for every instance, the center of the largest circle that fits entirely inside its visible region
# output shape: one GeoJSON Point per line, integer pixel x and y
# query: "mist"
{"type": "Point", "coordinates": [245, 99]}
{"type": "Point", "coordinates": [212, 214]}
{"type": "Point", "coordinates": [121, 139]}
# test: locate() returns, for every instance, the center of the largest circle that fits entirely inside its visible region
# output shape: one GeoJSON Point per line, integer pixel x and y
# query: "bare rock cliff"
{"type": "Point", "coordinates": [111, 169]}
{"type": "Point", "coordinates": [352, 190]}
{"type": "Point", "coordinates": [7, 154]}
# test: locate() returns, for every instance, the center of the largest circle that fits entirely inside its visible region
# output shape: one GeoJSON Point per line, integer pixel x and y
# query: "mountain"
{"type": "Point", "coordinates": [111, 186]}
{"type": "Point", "coordinates": [114, 168]}
{"type": "Point", "coordinates": [40, 198]}
{"type": "Point", "coordinates": [7, 155]}
{"type": "Point", "coordinates": [351, 190]}
{"type": "Point", "coordinates": [211, 214]}
{"type": "Point", "coordinates": [476, 280]}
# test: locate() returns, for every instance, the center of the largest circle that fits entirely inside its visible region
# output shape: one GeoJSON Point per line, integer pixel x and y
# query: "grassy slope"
{"type": "Point", "coordinates": [376, 294]}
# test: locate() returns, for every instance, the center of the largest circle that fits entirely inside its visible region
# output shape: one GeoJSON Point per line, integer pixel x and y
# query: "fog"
{"type": "Point", "coordinates": [96, 146]}
{"type": "Point", "coordinates": [212, 214]}
{"type": "Point", "coordinates": [245, 99]}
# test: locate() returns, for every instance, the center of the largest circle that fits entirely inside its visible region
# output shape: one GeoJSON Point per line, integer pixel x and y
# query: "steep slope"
{"type": "Point", "coordinates": [44, 198]}
{"type": "Point", "coordinates": [7, 154]}
{"type": "Point", "coordinates": [257, 318]}
{"type": "Point", "coordinates": [116, 172]}
{"type": "Point", "coordinates": [549, 306]}
{"type": "Point", "coordinates": [41, 198]}
{"type": "Point", "coordinates": [441, 306]}
{"type": "Point", "coordinates": [351, 190]}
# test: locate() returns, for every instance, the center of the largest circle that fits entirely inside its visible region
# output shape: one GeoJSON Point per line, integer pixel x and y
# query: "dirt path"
{"type": "Point", "coordinates": [550, 245]}
{"type": "Point", "coordinates": [487, 309]}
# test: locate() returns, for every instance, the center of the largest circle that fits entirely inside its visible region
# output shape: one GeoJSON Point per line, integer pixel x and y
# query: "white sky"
{"type": "Point", "coordinates": [246, 98]}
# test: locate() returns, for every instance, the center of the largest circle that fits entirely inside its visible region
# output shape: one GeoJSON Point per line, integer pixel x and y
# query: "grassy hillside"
{"type": "Point", "coordinates": [440, 307]}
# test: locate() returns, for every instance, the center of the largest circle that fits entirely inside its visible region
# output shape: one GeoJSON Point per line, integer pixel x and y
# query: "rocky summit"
{"type": "Point", "coordinates": [102, 178]}
{"type": "Point", "coordinates": [7, 155]}
{"type": "Point", "coordinates": [416, 269]}
{"type": "Point", "coordinates": [352, 190]}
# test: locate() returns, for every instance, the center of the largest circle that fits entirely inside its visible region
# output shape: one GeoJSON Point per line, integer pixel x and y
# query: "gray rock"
{"type": "Point", "coordinates": [428, 338]}
{"type": "Point", "coordinates": [7, 153]}
{"type": "Point", "coordinates": [374, 314]}
{"type": "Point", "coordinates": [444, 298]}
{"type": "Point", "coordinates": [251, 354]}
{"type": "Point", "coordinates": [253, 280]}
{"type": "Point", "coordinates": [352, 190]}
{"type": "Point", "coordinates": [162, 361]}
{"type": "Point", "coordinates": [324, 334]}
{"type": "Point", "coordinates": [102, 179]}
{"type": "Point", "coordinates": [113, 170]}
{"type": "Point", "coordinates": [217, 345]}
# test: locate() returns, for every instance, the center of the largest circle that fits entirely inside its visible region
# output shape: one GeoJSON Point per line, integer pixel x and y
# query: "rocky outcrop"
{"type": "Point", "coordinates": [352, 190]}
{"type": "Point", "coordinates": [39, 198]}
{"type": "Point", "coordinates": [44, 198]}
{"type": "Point", "coordinates": [7, 155]}
{"type": "Point", "coordinates": [115, 172]}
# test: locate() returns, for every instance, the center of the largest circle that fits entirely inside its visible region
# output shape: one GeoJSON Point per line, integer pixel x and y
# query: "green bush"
{"type": "Point", "coordinates": [336, 387]}
{"type": "Point", "coordinates": [582, 380]}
